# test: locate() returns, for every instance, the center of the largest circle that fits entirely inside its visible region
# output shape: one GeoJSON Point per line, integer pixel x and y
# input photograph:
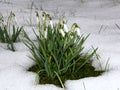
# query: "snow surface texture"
{"type": "Point", "coordinates": [97, 17]}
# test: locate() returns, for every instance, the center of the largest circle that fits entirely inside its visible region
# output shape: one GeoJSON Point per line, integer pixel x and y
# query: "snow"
{"type": "Point", "coordinates": [97, 17]}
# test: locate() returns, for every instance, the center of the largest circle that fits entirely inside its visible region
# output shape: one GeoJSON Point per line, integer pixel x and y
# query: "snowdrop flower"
{"type": "Point", "coordinates": [51, 24]}
{"type": "Point", "coordinates": [62, 32]}
{"type": "Point", "coordinates": [44, 16]}
{"type": "Point", "coordinates": [38, 18]}
{"type": "Point", "coordinates": [76, 28]}
{"type": "Point", "coordinates": [61, 29]}
{"type": "Point", "coordinates": [45, 34]}
{"type": "Point", "coordinates": [50, 21]}
{"type": "Point", "coordinates": [65, 27]}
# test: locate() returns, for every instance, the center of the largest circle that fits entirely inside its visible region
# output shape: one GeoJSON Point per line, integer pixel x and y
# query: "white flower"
{"type": "Point", "coordinates": [60, 27]}
{"type": "Point", "coordinates": [44, 16]}
{"type": "Point", "coordinates": [45, 34]}
{"type": "Point", "coordinates": [77, 29]}
{"type": "Point", "coordinates": [38, 18]}
{"type": "Point", "coordinates": [51, 23]}
{"type": "Point", "coordinates": [62, 32]}
{"type": "Point", "coordinates": [50, 20]}
{"type": "Point", "coordinates": [65, 28]}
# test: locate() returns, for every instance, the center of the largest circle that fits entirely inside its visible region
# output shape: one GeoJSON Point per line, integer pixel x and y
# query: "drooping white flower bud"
{"type": "Point", "coordinates": [62, 32]}
{"type": "Point", "coordinates": [44, 16]}
{"type": "Point", "coordinates": [50, 21]}
{"type": "Point", "coordinates": [51, 24]}
{"type": "Point", "coordinates": [45, 34]}
{"type": "Point", "coordinates": [60, 28]}
{"type": "Point", "coordinates": [65, 28]}
{"type": "Point", "coordinates": [77, 29]}
{"type": "Point", "coordinates": [38, 18]}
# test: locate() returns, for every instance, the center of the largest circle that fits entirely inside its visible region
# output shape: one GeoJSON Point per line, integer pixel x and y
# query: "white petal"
{"type": "Point", "coordinates": [62, 32]}
{"type": "Point", "coordinates": [65, 28]}
{"type": "Point", "coordinates": [45, 34]}
{"type": "Point", "coordinates": [78, 31]}
{"type": "Point", "coordinates": [51, 23]}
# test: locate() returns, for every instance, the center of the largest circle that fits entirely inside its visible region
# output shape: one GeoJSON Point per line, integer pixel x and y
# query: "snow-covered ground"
{"type": "Point", "coordinates": [97, 17]}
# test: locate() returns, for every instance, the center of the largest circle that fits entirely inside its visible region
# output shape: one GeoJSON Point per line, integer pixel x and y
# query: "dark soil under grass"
{"type": "Point", "coordinates": [86, 71]}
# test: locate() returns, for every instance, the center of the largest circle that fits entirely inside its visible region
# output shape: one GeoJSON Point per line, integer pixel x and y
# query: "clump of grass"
{"type": "Point", "coordinates": [9, 33]}
{"type": "Point", "coordinates": [58, 52]}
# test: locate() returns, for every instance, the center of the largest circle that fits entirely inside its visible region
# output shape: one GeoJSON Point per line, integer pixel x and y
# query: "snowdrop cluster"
{"type": "Point", "coordinates": [46, 21]}
{"type": "Point", "coordinates": [58, 51]}
{"type": "Point", "coordinates": [9, 31]}
{"type": "Point", "coordinates": [63, 28]}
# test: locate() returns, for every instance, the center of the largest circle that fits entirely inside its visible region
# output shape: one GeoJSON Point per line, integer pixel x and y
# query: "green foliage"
{"type": "Point", "coordinates": [9, 33]}
{"type": "Point", "coordinates": [58, 52]}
